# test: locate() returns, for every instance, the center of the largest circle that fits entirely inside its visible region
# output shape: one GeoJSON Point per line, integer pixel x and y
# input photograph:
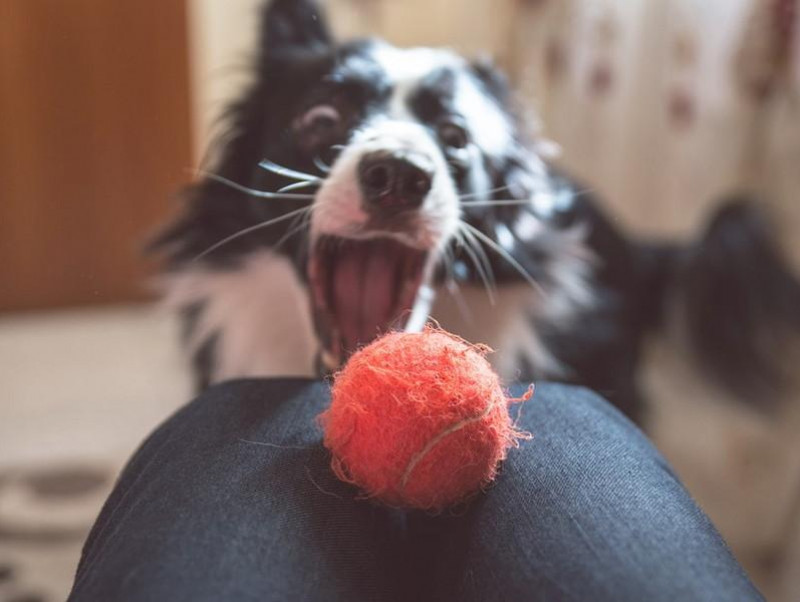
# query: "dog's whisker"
{"type": "Point", "coordinates": [463, 308]}
{"type": "Point", "coordinates": [505, 255]}
{"type": "Point", "coordinates": [320, 165]}
{"type": "Point", "coordinates": [294, 229]}
{"type": "Point", "coordinates": [497, 203]}
{"type": "Point", "coordinates": [582, 191]}
{"type": "Point", "coordinates": [448, 261]}
{"type": "Point", "coordinates": [484, 258]}
{"type": "Point", "coordinates": [448, 257]}
{"type": "Point", "coordinates": [472, 195]}
{"type": "Point", "coordinates": [452, 286]}
{"type": "Point", "coordinates": [479, 267]}
{"type": "Point", "coordinates": [262, 194]}
{"type": "Point", "coordinates": [520, 202]}
{"type": "Point", "coordinates": [286, 172]}
{"type": "Point", "coordinates": [250, 229]}
{"type": "Point", "coordinates": [297, 185]}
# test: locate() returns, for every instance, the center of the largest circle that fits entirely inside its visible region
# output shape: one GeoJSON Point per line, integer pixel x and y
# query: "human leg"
{"type": "Point", "coordinates": [232, 499]}
{"type": "Point", "coordinates": [586, 510]}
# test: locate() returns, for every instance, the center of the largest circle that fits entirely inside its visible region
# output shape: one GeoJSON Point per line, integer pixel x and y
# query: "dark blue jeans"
{"type": "Point", "coordinates": [232, 499]}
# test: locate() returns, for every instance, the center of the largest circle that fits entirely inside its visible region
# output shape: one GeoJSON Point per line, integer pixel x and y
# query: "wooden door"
{"type": "Point", "coordinates": [94, 144]}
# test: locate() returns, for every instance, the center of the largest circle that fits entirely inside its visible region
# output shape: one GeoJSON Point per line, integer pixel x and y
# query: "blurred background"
{"type": "Point", "coordinates": [660, 106]}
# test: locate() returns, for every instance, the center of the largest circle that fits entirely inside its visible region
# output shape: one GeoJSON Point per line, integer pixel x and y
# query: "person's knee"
{"type": "Point", "coordinates": [576, 437]}
{"type": "Point", "coordinates": [556, 406]}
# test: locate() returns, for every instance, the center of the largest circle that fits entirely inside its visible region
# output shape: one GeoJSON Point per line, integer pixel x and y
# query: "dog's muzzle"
{"type": "Point", "coordinates": [380, 220]}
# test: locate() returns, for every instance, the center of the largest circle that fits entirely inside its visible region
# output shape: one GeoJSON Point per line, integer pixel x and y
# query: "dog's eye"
{"type": "Point", "coordinates": [453, 135]}
{"type": "Point", "coordinates": [320, 118]}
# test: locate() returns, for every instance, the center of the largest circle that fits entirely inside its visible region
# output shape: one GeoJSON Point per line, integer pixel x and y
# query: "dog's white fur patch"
{"type": "Point", "coordinates": [259, 312]}
{"type": "Point", "coordinates": [487, 122]}
{"type": "Point", "coordinates": [338, 207]}
{"type": "Point", "coordinates": [406, 67]}
{"type": "Point", "coordinates": [548, 203]}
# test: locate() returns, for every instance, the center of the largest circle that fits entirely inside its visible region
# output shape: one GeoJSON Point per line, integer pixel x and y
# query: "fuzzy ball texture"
{"type": "Point", "coordinates": [419, 420]}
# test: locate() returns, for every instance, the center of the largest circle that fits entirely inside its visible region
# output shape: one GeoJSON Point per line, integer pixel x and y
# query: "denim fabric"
{"type": "Point", "coordinates": [233, 499]}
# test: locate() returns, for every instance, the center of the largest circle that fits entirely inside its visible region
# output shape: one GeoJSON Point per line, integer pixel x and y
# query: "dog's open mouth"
{"type": "Point", "coordinates": [361, 289]}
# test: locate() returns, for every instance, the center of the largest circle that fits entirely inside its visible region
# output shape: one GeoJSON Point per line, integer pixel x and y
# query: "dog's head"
{"type": "Point", "coordinates": [397, 151]}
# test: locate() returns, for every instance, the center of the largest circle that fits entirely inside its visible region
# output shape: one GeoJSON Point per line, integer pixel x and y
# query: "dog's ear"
{"type": "Point", "coordinates": [291, 26]}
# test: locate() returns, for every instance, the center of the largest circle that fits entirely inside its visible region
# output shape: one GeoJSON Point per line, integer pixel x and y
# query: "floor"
{"type": "Point", "coordinates": [81, 389]}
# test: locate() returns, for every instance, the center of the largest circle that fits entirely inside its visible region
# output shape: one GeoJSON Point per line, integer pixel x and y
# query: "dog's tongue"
{"type": "Point", "coordinates": [368, 288]}
{"type": "Point", "coordinates": [361, 289]}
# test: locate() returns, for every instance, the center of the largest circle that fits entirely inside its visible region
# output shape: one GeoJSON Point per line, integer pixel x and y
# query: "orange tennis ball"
{"type": "Point", "coordinates": [419, 420]}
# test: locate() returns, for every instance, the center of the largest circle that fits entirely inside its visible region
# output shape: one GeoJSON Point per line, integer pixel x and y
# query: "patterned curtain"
{"type": "Point", "coordinates": [665, 105]}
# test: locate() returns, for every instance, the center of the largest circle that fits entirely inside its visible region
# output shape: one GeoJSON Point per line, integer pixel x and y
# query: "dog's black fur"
{"type": "Point", "coordinates": [740, 303]}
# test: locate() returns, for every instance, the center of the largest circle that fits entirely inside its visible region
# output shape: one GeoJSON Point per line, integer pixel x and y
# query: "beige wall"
{"type": "Point", "coordinates": [221, 38]}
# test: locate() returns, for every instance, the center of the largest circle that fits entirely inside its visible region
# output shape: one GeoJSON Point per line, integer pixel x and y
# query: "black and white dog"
{"type": "Point", "coordinates": [360, 187]}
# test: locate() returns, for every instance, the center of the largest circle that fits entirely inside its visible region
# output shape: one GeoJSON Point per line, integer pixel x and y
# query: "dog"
{"type": "Point", "coordinates": [359, 188]}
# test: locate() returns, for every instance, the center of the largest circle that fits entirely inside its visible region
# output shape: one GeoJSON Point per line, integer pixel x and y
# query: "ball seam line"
{"type": "Point", "coordinates": [433, 442]}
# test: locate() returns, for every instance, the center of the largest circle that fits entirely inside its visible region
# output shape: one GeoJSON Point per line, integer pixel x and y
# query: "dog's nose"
{"type": "Point", "coordinates": [395, 182]}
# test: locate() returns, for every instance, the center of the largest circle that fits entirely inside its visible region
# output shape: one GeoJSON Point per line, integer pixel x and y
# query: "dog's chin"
{"type": "Point", "coordinates": [361, 288]}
